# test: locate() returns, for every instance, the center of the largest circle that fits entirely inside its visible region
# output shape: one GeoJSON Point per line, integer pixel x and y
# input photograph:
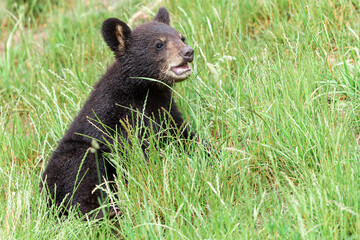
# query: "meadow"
{"type": "Point", "coordinates": [275, 87]}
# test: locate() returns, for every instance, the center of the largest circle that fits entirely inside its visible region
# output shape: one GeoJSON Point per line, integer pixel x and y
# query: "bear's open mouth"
{"type": "Point", "coordinates": [181, 69]}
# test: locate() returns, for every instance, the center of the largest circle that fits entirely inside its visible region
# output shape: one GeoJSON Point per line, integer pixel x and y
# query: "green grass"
{"type": "Point", "coordinates": [275, 86]}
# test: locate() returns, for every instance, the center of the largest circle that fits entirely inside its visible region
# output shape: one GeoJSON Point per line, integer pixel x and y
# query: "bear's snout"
{"type": "Point", "coordinates": [187, 53]}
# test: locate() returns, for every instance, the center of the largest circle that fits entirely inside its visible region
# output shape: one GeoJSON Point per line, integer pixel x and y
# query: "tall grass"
{"type": "Point", "coordinates": [275, 87]}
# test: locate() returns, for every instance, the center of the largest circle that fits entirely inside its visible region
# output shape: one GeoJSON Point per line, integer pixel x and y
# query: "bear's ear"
{"type": "Point", "coordinates": [162, 16]}
{"type": "Point", "coordinates": [116, 34]}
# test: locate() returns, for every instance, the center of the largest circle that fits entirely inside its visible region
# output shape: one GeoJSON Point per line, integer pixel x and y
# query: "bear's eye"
{"type": "Point", "coordinates": [159, 45]}
{"type": "Point", "coordinates": [183, 39]}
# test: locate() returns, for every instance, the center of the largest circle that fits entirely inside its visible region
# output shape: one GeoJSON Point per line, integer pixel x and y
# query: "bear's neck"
{"type": "Point", "coordinates": [131, 80]}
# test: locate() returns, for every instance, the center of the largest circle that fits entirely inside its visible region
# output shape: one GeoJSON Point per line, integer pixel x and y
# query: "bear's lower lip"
{"type": "Point", "coordinates": [181, 69]}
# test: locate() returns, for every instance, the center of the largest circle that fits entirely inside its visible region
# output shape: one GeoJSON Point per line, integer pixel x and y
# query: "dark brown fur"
{"type": "Point", "coordinates": [137, 54]}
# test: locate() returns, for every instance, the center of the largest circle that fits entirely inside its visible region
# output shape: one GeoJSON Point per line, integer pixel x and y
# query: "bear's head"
{"type": "Point", "coordinates": [151, 50]}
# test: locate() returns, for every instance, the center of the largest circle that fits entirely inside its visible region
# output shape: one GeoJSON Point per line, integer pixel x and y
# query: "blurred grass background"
{"type": "Point", "coordinates": [275, 86]}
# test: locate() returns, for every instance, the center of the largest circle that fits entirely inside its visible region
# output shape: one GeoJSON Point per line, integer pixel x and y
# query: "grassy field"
{"type": "Point", "coordinates": [275, 86]}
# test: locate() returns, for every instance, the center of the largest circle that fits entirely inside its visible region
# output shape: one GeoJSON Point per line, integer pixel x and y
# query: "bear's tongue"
{"type": "Point", "coordinates": [179, 70]}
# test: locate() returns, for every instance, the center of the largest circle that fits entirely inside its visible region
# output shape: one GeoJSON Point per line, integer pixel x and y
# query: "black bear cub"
{"type": "Point", "coordinates": [153, 50]}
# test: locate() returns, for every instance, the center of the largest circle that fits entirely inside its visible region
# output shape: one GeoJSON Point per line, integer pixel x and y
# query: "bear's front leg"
{"type": "Point", "coordinates": [188, 135]}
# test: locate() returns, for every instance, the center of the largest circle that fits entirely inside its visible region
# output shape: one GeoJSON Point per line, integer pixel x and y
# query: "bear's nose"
{"type": "Point", "coordinates": [188, 53]}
